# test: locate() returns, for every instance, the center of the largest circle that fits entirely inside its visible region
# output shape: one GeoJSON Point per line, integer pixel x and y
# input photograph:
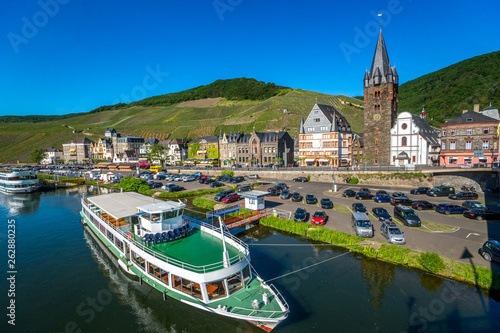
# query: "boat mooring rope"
{"type": "Point", "coordinates": [301, 269]}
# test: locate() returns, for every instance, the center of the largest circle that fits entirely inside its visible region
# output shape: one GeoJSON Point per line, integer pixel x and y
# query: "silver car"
{"type": "Point", "coordinates": [392, 232]}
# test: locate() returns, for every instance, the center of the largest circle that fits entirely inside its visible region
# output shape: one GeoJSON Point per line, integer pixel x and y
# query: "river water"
{"type": "Point", "coordinates": [66, 282]}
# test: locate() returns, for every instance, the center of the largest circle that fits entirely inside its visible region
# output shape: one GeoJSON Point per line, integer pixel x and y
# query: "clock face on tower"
{"type": "Point", "coordinates": [376, 117]}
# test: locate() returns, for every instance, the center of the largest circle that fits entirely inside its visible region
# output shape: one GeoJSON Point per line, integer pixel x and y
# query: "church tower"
{"type": "Point", "coordinates": [381, 106]}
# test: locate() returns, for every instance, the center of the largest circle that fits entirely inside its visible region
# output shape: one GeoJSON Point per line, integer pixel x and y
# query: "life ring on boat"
{"type": "Point", "coordinates": [129, 235]}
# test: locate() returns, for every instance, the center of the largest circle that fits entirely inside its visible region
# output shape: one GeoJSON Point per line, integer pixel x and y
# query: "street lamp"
{"type": "Point", "coordinates": [492, 151]}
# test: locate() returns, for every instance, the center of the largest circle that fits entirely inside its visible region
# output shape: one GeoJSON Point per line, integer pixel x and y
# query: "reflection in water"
{"type": "Point", "coordinates": [430, 282]}
{"type": "Point", "coordinates": [17, 204]}
{"type": "Point", "coordinates": [379, 276]}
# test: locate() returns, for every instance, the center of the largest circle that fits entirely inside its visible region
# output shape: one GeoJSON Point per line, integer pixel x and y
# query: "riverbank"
{"type": "Point", "coordinates": [426, 261]}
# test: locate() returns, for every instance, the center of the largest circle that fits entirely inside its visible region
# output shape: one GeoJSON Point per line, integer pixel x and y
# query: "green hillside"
{"type": "Point", "coordinates": [448, 91]}
{"type": "Point", "coordinates": [176, 121]}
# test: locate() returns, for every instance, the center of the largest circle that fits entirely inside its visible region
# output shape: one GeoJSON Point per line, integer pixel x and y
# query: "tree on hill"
{"type": "Point", "coordinates": [37, 155]}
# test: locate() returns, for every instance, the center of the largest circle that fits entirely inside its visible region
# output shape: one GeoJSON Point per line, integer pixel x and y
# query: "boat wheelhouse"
{"type": "Point", "coordinates": [18, 180]}
{"type": "Point", "coordinates": [182, 257]}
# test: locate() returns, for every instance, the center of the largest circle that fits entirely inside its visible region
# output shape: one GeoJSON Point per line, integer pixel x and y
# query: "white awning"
{"type": "Point", "coordinates": [309, 159]}
{"type": "Point", "coordinates": [121, 205]}
{"type": "Point", "coordinates": [323, 160]}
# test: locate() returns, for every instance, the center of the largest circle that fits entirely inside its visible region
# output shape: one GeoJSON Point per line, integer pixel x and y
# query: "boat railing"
{"type": "Point", "coordinates": [257, 313]}
{"type": "Point", "coordinates": [279, 297]}
{"type": "Point", "coordinates": [197, 269]}
{"type": "Point", "coordinates": [217, 229]}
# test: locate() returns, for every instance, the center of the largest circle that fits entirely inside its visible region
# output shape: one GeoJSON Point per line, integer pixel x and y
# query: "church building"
{"type": "Point", "coordinates": [381, 106]}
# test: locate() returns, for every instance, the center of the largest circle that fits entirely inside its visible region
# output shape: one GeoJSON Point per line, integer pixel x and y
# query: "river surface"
{"type": "Point", "coordinates": [66, 282]}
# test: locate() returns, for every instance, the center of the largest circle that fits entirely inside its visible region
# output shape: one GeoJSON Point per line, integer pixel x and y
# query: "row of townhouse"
{"type": "Point", "coordinates": [326, 139]}
{"type": "Point", "coordinates": [235, 148]}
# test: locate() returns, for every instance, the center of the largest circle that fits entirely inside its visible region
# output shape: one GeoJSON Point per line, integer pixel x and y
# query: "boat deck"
{"type": "Point", "coordinates": [198, 249]}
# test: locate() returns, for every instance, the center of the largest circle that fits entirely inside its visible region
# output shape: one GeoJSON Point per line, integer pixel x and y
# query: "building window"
{"type": "Point", "coordinates": [376, 151]}
{"type": "Point", "coordinates": [486, 144]}
{"type": "Point", "coordinates": [376, 130]}
{"type": "Point", "coordinates": [403, 141]}
{"type": "Point", "coordinates": [452, 145]}
{"type": "Point", "coordinates": [443, 146]}
{"type": "Point", "coordinates": [469, 131]}
{"type": "Point", "coordinates": [453, 132]}
{"type": "Point", "coordinates": [444, 133]}
{"type": "Point", "coordinates": [376, 107]}
{"type": "Point", "coordinates": [486, 130]}
{"type": "Point", "coordinates": [377, 94]}
{"type": "Point", "coordinates": [452, 160]}
{"type": "Point", "coordinates": [376, 142]}
{"type": "Point", "coordinates": [375, 162]}
{"type": "Point", "coordinates": [404, 126]}
{"type": "Point", "coordinates": [317, 120]}
{"type": "Point", "coordinates": [413, 159]}
{"type": "Point", "coordinates": [468, 144]}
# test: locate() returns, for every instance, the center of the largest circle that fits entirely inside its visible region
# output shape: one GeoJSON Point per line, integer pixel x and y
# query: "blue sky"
{"type": "Point", "coordinates": [65, 56]}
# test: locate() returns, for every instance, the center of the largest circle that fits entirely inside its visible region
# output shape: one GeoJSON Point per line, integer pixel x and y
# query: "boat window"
{"type": "Point", "coordinates": [246, 274]}
{"type": "Point", "coordinates": [234, 283]}
{"type": "Point", "coordinates": [187, 286]}
{"type": "Point", "coordinates": [155, 217]}
{"type": "Point", "coordinates": [138, 260]}
{"type": "Point", "coordinates": [119, 244]}
{"type": "Point", "coordinates": [216, 289]}
{"type": "Point", "coordinates": [158, 273]}
{"type": "Point", "coordinates": [169, 215]}
{"type": "Point", "coordinates": [110, 236]}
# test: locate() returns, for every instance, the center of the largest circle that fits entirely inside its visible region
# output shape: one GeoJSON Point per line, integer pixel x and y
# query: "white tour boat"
{"type": "Point", "coordinates": [18, 180]}
{"type": "Point", "coordinates": [183, 257]}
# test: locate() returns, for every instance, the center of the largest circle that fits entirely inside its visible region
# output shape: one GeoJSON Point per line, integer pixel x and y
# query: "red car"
{"type": "Point", "coordinates": [231, 198]}
{"type": "Point", "coordinates": [319, 218]}
{"type": "Point", "coordinates": [365, 190]}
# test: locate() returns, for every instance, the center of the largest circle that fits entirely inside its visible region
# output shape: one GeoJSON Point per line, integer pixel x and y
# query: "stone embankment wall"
{"type": "Point", "coordinates": [480, 180]}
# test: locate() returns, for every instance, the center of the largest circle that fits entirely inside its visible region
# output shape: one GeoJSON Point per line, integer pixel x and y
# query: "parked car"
{"type": "Point", "coordinates": [361, 224]}
{"type": "Point", "coordinates": [166, 186]}
{"type": "Point", "coordinates": [463, 195]}
{"type": "Point", "coordinates": [420, 190]}
{"type": "Point", "coordinates": [364, 189]}
{"type": "Point", "coordinates": [216, 184]}
{"type": "Point", "coordinates": [281, 186]}
{"type": "Point", "coordinates": [176, 188]}
{"type": "Point", "coordinates": [285, 194]}
{"type": "Point", "coordinates": [382, 214]}
{"type": "Point", "coordinates": [326, 203]}
{"type": "Point", "coordinates": [349, 193]}
{"type": "Point", "coordinates": [399, 195]}
{"type": "Point", "coordinates": [401, 201]}
{"type": "Point", "coordinates": [490, 250]}
{"type": "Point", "coordinates": [358, 207]}
{"type": "Point", "coordinates": [422, 204]}
{"type": "Point", "coordinates": [311, 199]}
{"type": "Point", "coordinates": [222, 194]}
{"type": "Point", "coordinates": [363, 195]}
{"type": "Point", "coordinates": [392, 232]}
{"type": "Point", "coordinates": [296, 197]}
{"type": "Point", "coordinates": [381, 198]}
{"type": "Point", "coordinates": [448, 209]}
{"type": "Point", "coordinates": [407, 216]}
{"type": "Point", "coordinates": [274, 192]}
{"type": "Point", "coordinates": [319, 218]}
{"type": "Point", "coordinates": [254, 176]}
{"type": "Point", "coordinates": [232, 197]}
{"type": "Point", "coordinates": [244, 188]}
{"type": "Point", "coordinates": [273, 188]}
{"type": "Point", "coordinates": [441, 191]}
{"type": "Point", "coordinates": [473, 205]}
{"type": "Point", "coordinates": [481, 214]}
{"type": "Point", "coordinates": [300, 215]}
{"type": "Point", "coordinates": [300, 179]}
{"type": "Point", "coordinates": [155, 185]}
{"type": "Point", "coordinates": [381, 192]}
{"type": "Point", "coordinates": [238, 179]}
{"type": "Point", "coordinates": [189, 179]}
